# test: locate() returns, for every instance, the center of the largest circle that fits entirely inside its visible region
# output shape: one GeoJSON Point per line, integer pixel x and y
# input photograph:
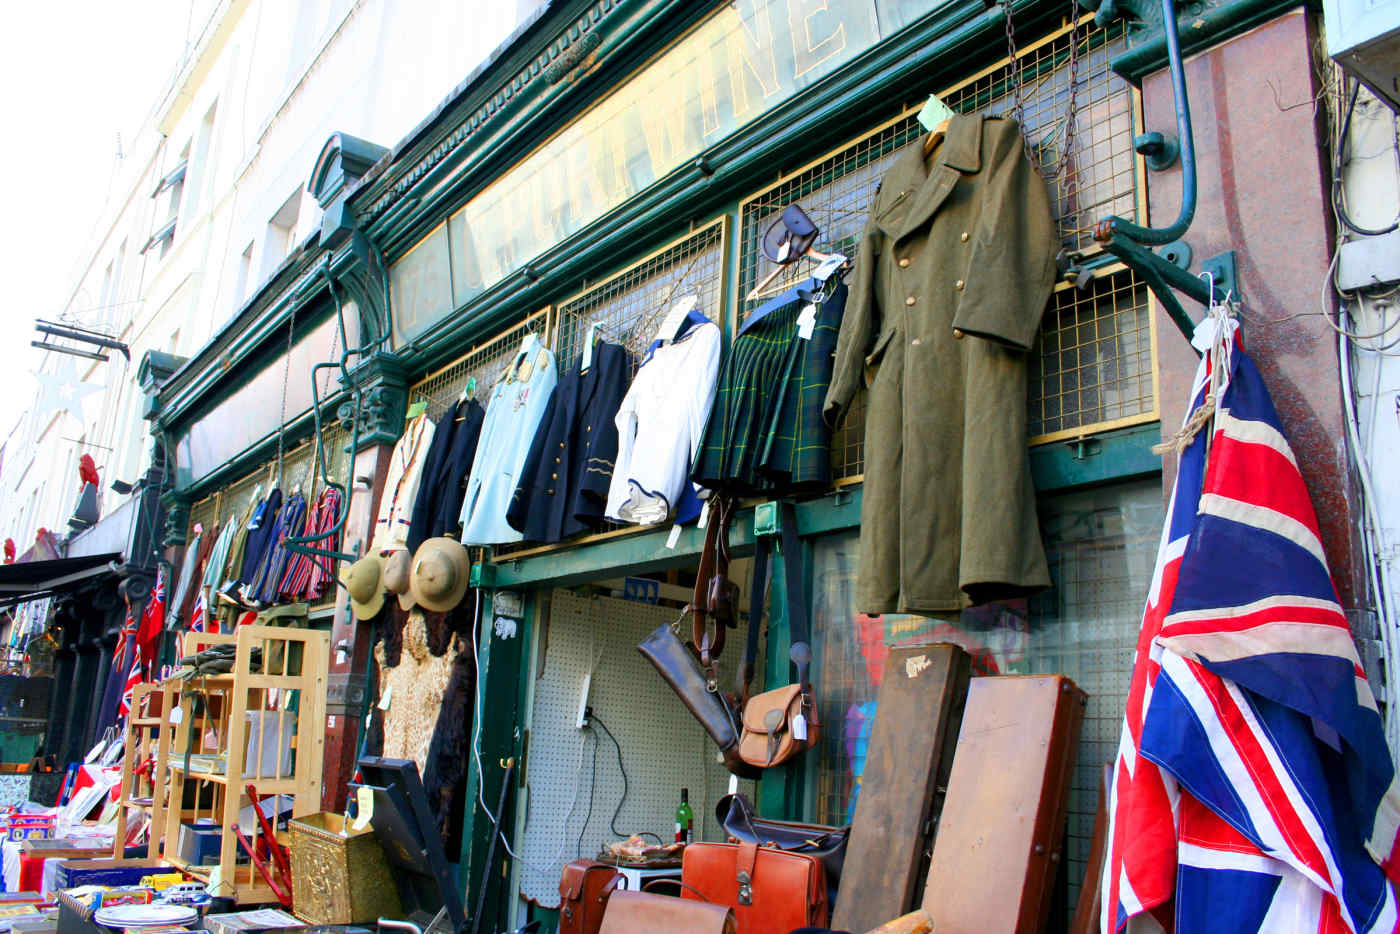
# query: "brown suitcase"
{"type": "Point", "coordinates": [925, 687]}
{"type": "Point", "coordinates": [772, 891]}
{"type": "Point", "coordinates": [998, 844]}
{"type": "Point", "coordinates": [645, 913]}
{"type": "Point", "coordinates": [584, 890]}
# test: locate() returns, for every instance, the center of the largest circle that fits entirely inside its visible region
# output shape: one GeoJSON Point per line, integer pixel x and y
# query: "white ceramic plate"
{"type": "Point", "coordinates": [136, 916]}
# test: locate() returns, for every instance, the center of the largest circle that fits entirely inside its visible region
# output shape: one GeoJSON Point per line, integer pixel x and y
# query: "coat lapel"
{"type": "Point", "coordinates": [960, 152]}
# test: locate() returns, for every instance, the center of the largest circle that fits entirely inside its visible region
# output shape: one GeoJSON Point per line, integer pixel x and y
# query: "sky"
{"type": "Point", "coordinates": [73, 76]}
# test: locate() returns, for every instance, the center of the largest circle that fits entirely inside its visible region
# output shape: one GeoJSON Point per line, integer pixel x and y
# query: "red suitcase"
{"type": "Point", "coordinates": [772, 891]}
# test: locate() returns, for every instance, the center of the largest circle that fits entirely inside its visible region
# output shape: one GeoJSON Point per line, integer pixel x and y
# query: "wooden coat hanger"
{"type": "Point", "coordinates": [814, 255]}
{"type": "Point", "coordinates": [935, 137]}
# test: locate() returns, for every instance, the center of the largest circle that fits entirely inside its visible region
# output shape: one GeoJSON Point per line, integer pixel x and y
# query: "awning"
{"type": "Point", "coordinates": [35, 579]}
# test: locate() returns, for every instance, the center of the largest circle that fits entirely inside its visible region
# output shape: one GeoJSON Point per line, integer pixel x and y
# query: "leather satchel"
{"type": "Point", "coordinates": [779, 724]}
{"type": "Point", "coordinates": [772, 891]}
{"type": "Point", "coordinates": [584, 890]}
{"type": "Point", "coordinates": [736, 815]}
{"type": "Point", "coordinates": [677, 667]}
{"type": "Point", "coordinates": [645, 913]}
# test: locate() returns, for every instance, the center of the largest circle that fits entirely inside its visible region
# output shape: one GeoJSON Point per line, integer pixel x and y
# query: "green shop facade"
{"type": "Point", "coordinates": [616, 154]}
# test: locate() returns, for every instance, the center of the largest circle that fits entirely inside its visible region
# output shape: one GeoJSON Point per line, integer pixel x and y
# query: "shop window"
{"type": "Point", "coordinates": [1091, 369]}
{"type": "Point", "coordinates": [1107, 327]}
{"type": "Point", "coordinates": [627, 307]}
{"type": "Point", "coordinates": [300, 468]}
{"type": "Point", "coordinates": [420, 283]}
{"type": "Point", "coordinates": [1101, 546]}
{"type": "Point", "coordinates": [484, 363]}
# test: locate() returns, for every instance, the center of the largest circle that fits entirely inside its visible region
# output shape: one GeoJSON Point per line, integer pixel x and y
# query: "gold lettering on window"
{"type": "Point", "coordinates": [817, 34]}
{"type": "Point", "coordinates": [752, 61]}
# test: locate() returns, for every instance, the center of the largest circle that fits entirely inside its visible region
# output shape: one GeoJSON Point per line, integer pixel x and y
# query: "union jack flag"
{"type": "Point", "coordinates": [1253, 788]}
{"type": "Point", "coordinates": [133, 678]}
{"type": "Point", "coordinates": [199, 613]}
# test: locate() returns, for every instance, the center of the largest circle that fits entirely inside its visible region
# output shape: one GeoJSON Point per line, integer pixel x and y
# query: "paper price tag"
{"type": "Point", "coordinates": [704, 515]}
{"type": "Point", "coordinates": [387, 698]}
{"type": "Point", "coordinates": [934, 113]}
{"type": "Point", "coordinates": [807, 321]}
{"type": "Point", "coordinates": [828, 266]}
{"type": "Point", "coordinates": [799, 728]}
{"type": "Point", "coordinates": [364, 808]}
{"type": "Point", "coordinates": [674, 537]}
{"type": "Point", "coordinates": [177, 716]}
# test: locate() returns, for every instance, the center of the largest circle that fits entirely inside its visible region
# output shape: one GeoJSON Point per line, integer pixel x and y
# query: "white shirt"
{"type": "Point", "coordinates": [660, 426]}
{"type": "Point", "coordinates": [401, 486]}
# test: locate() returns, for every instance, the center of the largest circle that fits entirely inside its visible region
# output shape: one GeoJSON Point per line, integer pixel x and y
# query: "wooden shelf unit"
{"type": "Point", "coordinates": [251, 718]}
{"type": "Point", "coordinates": [148, 737]}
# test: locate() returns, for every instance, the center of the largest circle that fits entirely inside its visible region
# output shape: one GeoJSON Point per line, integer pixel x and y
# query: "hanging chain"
{"type": "Point", "coordinates": [286, 378]}
{"type": "Point", "coordinates": [1015, 68]}
{"type": "Point", "coordinates": [1067, 143]}
{"type": "Point", "coordinates": [1067, 137]}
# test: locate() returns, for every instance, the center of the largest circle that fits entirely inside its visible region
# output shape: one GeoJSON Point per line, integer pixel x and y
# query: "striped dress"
{"type": "Point", "coordinates": [766, 434]}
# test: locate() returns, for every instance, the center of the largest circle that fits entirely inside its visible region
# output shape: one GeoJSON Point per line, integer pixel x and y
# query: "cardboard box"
{"type": "Point", "coordinates": [72, 873]}
{"type": "Point", "coordinates": [198, 844]}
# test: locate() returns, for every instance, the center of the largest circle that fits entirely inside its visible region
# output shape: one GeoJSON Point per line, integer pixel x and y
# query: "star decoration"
{"type": "Point", "coordinates": [62, 390]}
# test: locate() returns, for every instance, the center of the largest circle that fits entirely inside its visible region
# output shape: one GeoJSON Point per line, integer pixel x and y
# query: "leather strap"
{"type": "Point", "coordinates": [714, 560]}
{"type": "Point", "coordinates": [799, 620]}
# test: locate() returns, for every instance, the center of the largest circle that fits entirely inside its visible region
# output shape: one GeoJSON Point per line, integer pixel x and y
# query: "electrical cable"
{"type": "Point", "coordinates": [612, 825]}
{"type": "Point", "coordinates": [588, 815]}
{"type": "Point", "coordinates": [1338, 198]}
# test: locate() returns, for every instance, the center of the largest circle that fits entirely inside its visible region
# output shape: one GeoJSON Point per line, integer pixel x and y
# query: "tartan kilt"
{"type": "Point", "coordinates": [766, 434]}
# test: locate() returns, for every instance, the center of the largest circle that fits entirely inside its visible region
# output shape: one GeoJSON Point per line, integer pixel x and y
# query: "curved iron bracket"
{"type": "Point", "coordinates": [1131, 242]}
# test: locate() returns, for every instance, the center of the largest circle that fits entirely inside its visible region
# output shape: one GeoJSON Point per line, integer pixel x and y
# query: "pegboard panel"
{"type": "Point", "coordinates": [485, 362]}
{"type": "Point", "coordinates": [628, 305]}
{"type": "Point", "coordinates": [1098, 178]}
{"type": "Point", "coordinates": [663, 748]}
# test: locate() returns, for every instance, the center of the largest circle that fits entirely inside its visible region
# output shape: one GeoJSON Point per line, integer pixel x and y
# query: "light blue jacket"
{"type": "Point", "coordinates": [513, 416]}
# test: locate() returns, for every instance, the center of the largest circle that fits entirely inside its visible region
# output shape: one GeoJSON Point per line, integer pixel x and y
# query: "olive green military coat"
{"type": "Point", "coordinates": [952, 276]}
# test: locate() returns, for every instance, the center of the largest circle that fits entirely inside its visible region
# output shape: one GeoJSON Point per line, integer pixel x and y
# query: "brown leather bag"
{"type": "Point", "coordinates": [645, 913]}
{"type": "Point", "coordinates": [584, 891]}
{"type": "Point", "coordinates": [772, 891]}
{"type": "Point", "coordinates": [768, 738]}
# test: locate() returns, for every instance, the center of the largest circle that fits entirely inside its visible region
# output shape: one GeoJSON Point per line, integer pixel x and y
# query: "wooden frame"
{"type": "Point", "coordinates": [293, 671]}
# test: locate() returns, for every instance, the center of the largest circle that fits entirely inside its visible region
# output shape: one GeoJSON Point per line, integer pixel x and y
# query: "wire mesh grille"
{"type": "Point", "coordinates": [299, 469]}
{"type": "Point", "coordinates": [485, 363]}
{"type": "Point", "coordinates": [1098, 179]}
{"type": "Point", "coordinates": [1092, 364]}
{"type": "Point", "coordinates": [628, 306]}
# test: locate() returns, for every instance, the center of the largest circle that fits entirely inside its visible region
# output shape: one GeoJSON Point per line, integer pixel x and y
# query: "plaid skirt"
{"type": "Point", "coordinates": [766, 434]}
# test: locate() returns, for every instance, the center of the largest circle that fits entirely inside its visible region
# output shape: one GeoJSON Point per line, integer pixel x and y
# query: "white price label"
{"type": "Point", "coordinates": [807, 321]}
{"type": "Point", "coordinates": [387, 698]}
{"type": "Point", "coordinates": [799, 728]}
{"type": "Point", "coordinates": [674, 537]}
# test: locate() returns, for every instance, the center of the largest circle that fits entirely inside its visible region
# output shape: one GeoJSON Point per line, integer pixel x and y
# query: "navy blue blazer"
{"type": "Point", "coordinates": [437, 510]}
{"type": "Point", "coordinates": [563, 487]}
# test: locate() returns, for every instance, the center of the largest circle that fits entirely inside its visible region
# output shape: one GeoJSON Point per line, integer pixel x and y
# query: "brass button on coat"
{"type": "Point", "coordinates": [904, 262]}
{"type": "Point", "coordinates": [959, 285]}
{"type": "Point", "coordinates": [910, 300]}
{"type": "Point", "coordinates": [964, 236]}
